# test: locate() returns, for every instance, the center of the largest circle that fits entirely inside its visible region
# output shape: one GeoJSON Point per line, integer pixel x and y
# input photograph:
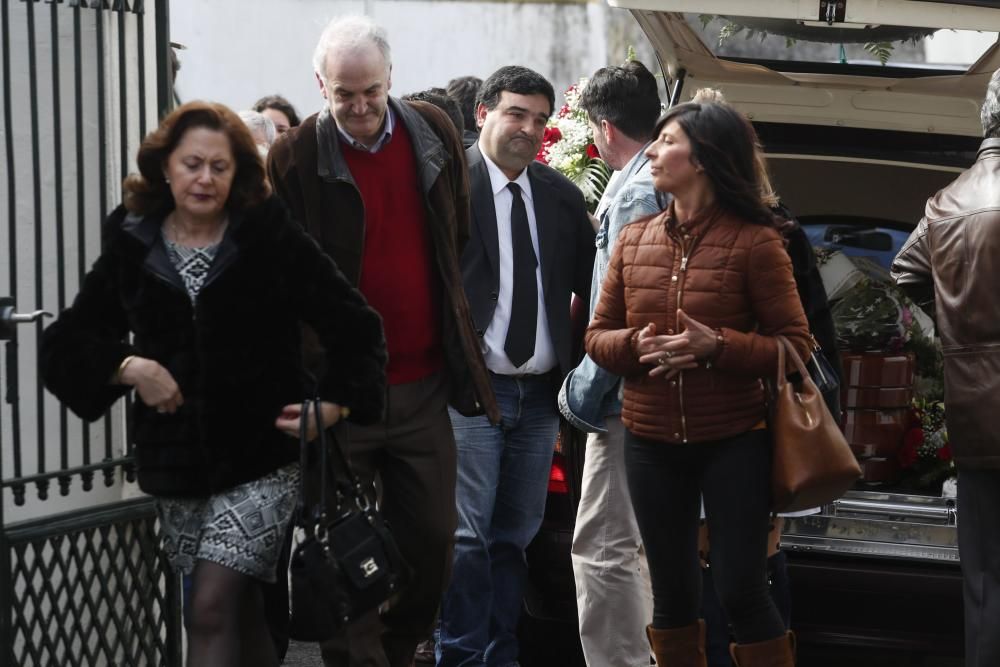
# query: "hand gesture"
{"type": "Point", "coordinates": [154, 384]}
{"type": "Point", "coordinates": [670, 354]}
{"type": "Point", "coordinates": [290, 419]}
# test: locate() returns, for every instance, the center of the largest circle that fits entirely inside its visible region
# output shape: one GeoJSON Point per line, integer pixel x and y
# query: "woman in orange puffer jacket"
{"type": "Point", "coordinates": [688, 315]}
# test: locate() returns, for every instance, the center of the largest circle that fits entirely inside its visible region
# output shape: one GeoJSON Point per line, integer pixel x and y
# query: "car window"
{"type": "Point", "coordinates": [857, 238]}
{"type": "Point", "coordinates": [789, 41]}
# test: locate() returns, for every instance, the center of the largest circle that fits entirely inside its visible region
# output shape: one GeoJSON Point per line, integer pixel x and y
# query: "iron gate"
{"type": "Point", "coordinates": [82, 581]}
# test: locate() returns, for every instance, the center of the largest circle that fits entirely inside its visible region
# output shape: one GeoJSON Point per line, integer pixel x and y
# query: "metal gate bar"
{"type": "Point", "coordinates": [87, 587]}
{"type": "Point", "coordinates": [92, 588]}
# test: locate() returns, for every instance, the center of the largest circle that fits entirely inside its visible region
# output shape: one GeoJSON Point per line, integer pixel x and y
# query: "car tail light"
{"type": "Point", "coordinates": [557, 476]}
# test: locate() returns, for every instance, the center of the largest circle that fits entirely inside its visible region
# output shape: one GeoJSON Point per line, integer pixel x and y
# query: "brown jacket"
{"type": "Point", "coordinates": [319, 189]}
{"type": "Point", "coordinates": [951, 266]}
{"type": "Point", "coordinates": [728, 274]}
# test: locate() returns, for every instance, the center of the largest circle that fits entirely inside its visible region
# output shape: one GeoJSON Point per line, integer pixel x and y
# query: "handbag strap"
{"type": "Point", "coordinates": [320, 508]}
{"type": "Point", "coordinates": [783, 345]}
{"type": "Point", "coordinates": [357, 490]}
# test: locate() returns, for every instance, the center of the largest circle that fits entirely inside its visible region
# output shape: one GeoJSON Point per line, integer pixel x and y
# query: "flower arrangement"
{"type": "Point", "coordinates": [926, 453]}
{"type": "Point", "coordinates": [877, 315]}
{"type": "Point", "coordinates": [568, 147]}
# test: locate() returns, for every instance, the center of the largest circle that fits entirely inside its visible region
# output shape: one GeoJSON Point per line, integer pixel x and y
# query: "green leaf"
{"type": "Point", "coordinates": [592, 180]}
{"type": "Point", "coordinates": [630, 54]}
{"type": "Point", "coordinates": [729, 30]}
{"type": "Point", "coordinates": [789, 42]}
{"type": "Point", "coordinates": [881, 50]}
{"type": "Point", "coordinates": [706, 19]}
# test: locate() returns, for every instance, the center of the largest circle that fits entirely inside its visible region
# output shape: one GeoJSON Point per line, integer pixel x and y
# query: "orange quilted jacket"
{"type": "Point", "coordinates": [726, 273]}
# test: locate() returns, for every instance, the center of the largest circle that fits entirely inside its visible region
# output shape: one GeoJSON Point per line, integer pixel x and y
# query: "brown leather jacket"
{"type": "Point", "coordinates": [319, 189]}
{"type": "Point", "coordinates": [950, 265]}
{"type": "Point", "coordinates": [728, 274]}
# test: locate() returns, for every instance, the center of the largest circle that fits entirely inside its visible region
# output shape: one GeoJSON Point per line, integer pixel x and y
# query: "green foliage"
{"type": "Point", "coordinates": [881, 50]}
{"type": "Point", "coordinates": [592, 180]}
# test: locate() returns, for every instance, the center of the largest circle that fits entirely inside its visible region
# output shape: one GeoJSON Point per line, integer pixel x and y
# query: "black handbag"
{"type": "Point", "coordinates": [348, 564]}
{"type": "Point", "coordinates": [825, 378]}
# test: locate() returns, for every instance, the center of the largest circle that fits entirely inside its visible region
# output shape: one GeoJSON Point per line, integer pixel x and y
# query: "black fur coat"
{"type": "Point", "coordinates": [236, 355]}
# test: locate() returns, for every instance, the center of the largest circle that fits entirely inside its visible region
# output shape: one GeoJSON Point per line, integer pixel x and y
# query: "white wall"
{"type": "Point", "coordinates": [948, 47]}
{"type": "Point", "coordinates": [240, 50]}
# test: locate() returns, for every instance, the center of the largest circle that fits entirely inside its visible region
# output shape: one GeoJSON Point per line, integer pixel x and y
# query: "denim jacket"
{"type": "Point", "coordinates": [590, 393]}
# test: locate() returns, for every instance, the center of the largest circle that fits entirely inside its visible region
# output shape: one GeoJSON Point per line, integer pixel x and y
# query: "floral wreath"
{"type": "Point", "coordinates": [568, 147]}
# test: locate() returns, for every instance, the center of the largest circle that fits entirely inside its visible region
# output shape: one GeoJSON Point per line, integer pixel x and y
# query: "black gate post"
{"type": "Point", "coordinates": [6, 585]}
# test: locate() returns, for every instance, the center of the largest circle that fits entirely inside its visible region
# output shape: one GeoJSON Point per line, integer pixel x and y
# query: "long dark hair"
{"type": "Point", "coordinates": [148, 192]}
{"type": "Point", "coordinates": [725, 145]}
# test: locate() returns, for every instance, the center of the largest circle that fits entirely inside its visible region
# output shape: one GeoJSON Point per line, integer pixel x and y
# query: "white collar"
{"type": "Point", "coordinates": [499, 180]}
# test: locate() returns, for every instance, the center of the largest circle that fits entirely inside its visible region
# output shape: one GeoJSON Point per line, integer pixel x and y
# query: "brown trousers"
{"type": "Point", "coordinates": [412, 453]}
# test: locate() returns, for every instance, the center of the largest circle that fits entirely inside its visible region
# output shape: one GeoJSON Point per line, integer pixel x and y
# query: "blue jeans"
{"type": "Point", "coordinates": [503, 474]}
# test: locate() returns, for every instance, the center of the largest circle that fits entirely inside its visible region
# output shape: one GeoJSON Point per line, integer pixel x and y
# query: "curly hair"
{"type": "Point", "coordinates": [148, 191]}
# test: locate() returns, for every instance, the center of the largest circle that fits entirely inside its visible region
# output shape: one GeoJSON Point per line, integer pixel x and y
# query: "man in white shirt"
{"type": "Point", "coordinates": [531, 248]}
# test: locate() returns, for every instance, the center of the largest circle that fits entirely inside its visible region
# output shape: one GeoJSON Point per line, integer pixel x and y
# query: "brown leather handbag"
{"type": "Point", "coordinates": [812, 463]}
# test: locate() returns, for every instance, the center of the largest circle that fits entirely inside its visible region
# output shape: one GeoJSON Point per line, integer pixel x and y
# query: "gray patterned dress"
{"type": "Point", "coordinates": [241, 528]}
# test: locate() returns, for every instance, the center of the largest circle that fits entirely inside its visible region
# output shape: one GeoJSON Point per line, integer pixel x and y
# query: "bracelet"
{"type": "Point", "coordinates": [121, 368]}
{"type": "Point", "coordinates": [345, 412]}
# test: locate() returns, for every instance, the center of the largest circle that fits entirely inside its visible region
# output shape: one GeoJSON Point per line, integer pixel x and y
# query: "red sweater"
{"type": "Point", "coordinates": [397, 274]}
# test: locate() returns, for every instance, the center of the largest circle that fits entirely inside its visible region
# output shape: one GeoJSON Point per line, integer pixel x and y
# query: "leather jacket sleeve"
{"type": "Point", "coordinates": [912, 270]}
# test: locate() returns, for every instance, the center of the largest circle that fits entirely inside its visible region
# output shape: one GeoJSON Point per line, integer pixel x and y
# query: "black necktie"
{"type": "Point", "coordinates": [520, 343]}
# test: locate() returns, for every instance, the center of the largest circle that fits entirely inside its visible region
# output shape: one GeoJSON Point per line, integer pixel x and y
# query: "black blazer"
{"type": "Point", "coordinates": [565, 241]}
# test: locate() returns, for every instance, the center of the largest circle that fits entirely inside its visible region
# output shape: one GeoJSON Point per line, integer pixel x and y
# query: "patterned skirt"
{"type": "Point", "coordinates": [242, 528]}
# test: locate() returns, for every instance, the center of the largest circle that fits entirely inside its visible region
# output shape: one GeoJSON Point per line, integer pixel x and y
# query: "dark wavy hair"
{"type": "Point", "coordinates": [725, 145]}
{"type": "Point", "coordinates": [626, 97]}
{"type": "Point", "coordinates": [464, 90]}
{"type": "Point", "coordinates": [440, 98]}
{"type": "Point", "coordinates": [518, 80]}
{"type": "Point", "coordinates": [278, 103]}
{"type": "Point", "coordinates": [148, 191]}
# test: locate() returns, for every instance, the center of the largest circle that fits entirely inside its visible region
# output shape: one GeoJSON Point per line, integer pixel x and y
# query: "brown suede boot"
{"type": "Point", "coordinates": [779, 652]}
{"type": "Point", "coordinates": [678, 647]}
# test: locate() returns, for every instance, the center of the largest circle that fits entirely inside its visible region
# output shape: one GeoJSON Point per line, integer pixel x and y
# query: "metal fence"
{"type": "Point", "coordinates": [82, 82]}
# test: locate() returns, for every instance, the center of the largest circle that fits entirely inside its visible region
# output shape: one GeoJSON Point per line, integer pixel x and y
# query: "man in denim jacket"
{"type": "Point", "coordinates": [612, 583]}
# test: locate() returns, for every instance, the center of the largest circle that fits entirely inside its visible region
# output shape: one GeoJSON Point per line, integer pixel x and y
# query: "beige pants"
{"type": "Point", "coordinates": [613, 593]}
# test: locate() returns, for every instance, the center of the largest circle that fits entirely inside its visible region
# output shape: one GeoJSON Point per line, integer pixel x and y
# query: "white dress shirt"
{"type": "Point", "coordinates": [497, 361]}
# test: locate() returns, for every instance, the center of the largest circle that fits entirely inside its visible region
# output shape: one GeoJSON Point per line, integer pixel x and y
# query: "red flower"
{"type": "Point", "coordinates": [592, 152]}
{"type": "Point", "coordinates": [908, 453]}
{"type": "Point", "coordinates": [563, 111]}
{"type": "Point", "coordinates": [944, 454]}
{"type": "Point", "coordinates": [551, 136]}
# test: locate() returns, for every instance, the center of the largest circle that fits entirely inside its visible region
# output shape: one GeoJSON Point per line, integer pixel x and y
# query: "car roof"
{"type": "Point", "coordinates": [926, 100]}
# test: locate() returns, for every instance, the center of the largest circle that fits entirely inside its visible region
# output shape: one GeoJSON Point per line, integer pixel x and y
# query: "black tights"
{"type": "Point", "coordinates": [228, 627]}
{"type": "Point", "coordinates": [666, 482]}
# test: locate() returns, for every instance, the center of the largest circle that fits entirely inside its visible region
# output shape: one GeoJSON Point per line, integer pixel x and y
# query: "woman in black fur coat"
{"type": "Point", "coordinates": [203, 266]}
